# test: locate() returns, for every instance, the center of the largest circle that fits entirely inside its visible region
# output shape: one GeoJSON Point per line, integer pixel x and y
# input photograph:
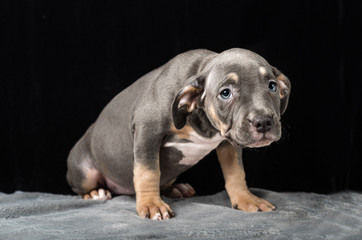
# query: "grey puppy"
{"type": "Point", "coordinates": [171, 118]}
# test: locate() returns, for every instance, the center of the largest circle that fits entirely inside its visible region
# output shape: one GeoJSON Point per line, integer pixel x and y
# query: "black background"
{"type": "Point", "coordinates": [65, 60]}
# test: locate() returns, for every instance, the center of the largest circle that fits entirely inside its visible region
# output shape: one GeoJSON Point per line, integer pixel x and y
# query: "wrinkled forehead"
{"type": "Point", "coordinates": [246, 72]}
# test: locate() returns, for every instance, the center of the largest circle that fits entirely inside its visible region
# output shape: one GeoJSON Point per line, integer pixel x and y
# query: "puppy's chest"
{"type": "Point", "coordinates": [188, 147]}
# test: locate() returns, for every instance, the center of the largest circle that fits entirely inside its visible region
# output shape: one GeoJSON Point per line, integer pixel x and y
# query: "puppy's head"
{"type": "Point", "coordinates": [242, 96]}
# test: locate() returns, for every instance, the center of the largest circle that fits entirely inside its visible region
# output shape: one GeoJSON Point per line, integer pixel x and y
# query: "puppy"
{"type": "Point", "coordinates": [169, 119]}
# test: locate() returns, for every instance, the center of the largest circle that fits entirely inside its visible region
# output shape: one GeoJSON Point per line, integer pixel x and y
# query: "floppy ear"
{"type": "Point", "coordinates": [186, 101]}
{"type": "Point", "coordinates": [284, 89]}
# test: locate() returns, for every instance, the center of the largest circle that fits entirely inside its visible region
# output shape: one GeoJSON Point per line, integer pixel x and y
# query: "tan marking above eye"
{"type": "Point", "coordinates": [233, 76]}
{"type": "Point", "coordinates": [263, 71]}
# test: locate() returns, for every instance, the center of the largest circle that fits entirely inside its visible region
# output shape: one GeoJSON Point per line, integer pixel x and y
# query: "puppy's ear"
{"type": "Point", "coordinates": [284, 89]}
{"type": "Point", "coordinates": [187, 100]}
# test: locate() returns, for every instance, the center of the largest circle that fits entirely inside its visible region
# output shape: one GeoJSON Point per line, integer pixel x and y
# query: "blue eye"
{"type": "Point", "coordinates": [226, 93]}
{"type": "Point", "coordinates": [273, 86]}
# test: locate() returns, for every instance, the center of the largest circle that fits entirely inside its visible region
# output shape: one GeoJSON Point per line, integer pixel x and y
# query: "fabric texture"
{"type": "Point", "coordinates": [29, 215]}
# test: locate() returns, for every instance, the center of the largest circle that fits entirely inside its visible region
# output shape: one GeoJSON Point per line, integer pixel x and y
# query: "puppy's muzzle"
{"type": "Point", "coordinates": [263, 129]}
{"type": "Point", "coordinates": [262, 124]}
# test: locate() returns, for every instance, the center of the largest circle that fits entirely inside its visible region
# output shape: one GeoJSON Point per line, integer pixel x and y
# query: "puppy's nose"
{"type": "Point", "coordinates": [262, 124]}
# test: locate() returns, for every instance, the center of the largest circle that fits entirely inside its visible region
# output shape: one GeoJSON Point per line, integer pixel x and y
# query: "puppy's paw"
{"type": "Point", "coordinates": [99, 194]}
{"type": "Point", "coordinates": [250, 203]}
{"type": "Point", "coordinates": [155, 210]}
{"type": "Point", "coordinates": [180, 190]}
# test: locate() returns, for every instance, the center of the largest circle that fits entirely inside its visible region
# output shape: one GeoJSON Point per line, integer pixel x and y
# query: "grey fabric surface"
{"type": "Point", "coordinates": [298, 216]}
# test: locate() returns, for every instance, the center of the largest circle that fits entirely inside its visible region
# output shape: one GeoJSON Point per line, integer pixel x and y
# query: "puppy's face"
{"type": "Point", "coordinates": [243, 97]}
{"type": "Point", "coordinates": [244, 101]}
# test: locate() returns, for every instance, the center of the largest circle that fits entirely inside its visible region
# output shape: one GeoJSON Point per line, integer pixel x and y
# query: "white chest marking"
{"type": "Point", "coordinates": [195, 150]}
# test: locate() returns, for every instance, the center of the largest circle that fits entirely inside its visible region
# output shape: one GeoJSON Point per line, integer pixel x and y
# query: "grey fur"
{"type": "Point", "coordinates": [136, 123]}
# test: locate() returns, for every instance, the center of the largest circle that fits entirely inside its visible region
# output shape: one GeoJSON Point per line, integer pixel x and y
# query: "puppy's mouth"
{"type": "Point", "coordinates": [263, 141]}
{"type": "Point", "coordinates": [255, 141]}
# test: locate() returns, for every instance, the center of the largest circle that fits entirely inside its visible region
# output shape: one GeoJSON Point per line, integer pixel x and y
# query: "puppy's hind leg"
{"type": "Point", "coordinates": [99, 194]}
{"type": "Point", "coordinates": [87, 182]}
{"type": "Point", "coordinates": [83, 177]}
{"type": "Point", "coordinates": [92, 186]}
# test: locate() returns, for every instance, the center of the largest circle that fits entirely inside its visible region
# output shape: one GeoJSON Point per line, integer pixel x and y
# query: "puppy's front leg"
{"type": "Point", "coordinates": [147, 187]}
{"type": "Point", "coordinates": [146, 177]}
{"type": "Point", "coordinates": [231, 163]}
